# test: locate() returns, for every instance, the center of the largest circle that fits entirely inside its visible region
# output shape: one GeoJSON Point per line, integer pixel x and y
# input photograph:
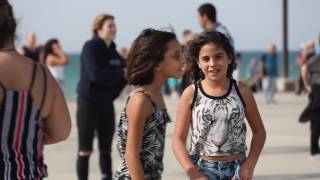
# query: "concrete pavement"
{"type": "Point", "coordinates": [285, 156]}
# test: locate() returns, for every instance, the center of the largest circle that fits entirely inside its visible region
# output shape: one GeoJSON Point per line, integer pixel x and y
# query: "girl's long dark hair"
{"type": "Point", "coordinates": [193, 72]}
{"type": "Point", "coordinates": [147, 51]}
{"type": "Point", "coordinates": [48, 48]}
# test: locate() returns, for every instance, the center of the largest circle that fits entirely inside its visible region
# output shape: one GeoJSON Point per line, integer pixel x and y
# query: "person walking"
{"type": "Point", "coordinates": [310, 72]}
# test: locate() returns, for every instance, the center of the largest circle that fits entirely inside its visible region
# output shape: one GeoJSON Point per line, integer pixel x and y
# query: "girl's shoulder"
{"type": "Point", "coordinates": [138, 97]}
{"type": "Point", "coordinates": [190, 90]}
{"type": "Point", "coordinates": [243, 88]}
{"type": "Point", "coordinates": [189, 95]}
{"type": "Point", "coordinates": [244, 92]}
{"type": "Point", "coordinates": [140, 101]}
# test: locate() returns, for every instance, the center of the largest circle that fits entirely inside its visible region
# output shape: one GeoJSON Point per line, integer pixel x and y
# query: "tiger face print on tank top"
{"type": "Point", "coordinates": [217, 124]}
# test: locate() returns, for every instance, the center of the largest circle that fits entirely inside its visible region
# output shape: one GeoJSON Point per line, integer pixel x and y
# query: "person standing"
{"type": "Point", "coordinates": [154, 57]}
{"type": "Point", "coordinates": [207, 19]}
{"type": "Point", "coordinates": [30, 49]}
{"type": "Point", "coordinates": [33, 111]}
{"type": "Point", "coordinates": [253, 75]}
{"type": "Point", "coordinates": [214, 107]}
{"type": "Point", "coordinates": [310, 72]}
{"type": "Point", "coordinates": [270, 66]}
{"type": "Point", "coordinates": [55, 59]}
{"type": "Point", "coordinates": [101, 81]}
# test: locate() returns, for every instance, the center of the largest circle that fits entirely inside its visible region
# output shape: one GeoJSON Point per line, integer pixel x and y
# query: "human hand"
{"type": "Point", "coordinates": [201, 178]}
{"type": "Point", "coordinates": [194, 174]}
{"type": "Point", "coordinates": [246, 172]}
{"type": "Point", "coordinates": [197, 176]}
{"type": "Point", "coordinates": [56, 48]}
{"type": "Point", "coordinates": [308, 88]}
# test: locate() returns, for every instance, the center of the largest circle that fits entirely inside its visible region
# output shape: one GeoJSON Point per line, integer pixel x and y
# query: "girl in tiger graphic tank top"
{"type": "Point", "coordinates": [214, 107]}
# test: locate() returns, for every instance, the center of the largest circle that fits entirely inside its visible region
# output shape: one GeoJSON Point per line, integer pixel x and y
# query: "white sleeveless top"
{"type": "Point", "coordinates": [57, 72]}
{"type": "Point", "coordinates": [217, 124]}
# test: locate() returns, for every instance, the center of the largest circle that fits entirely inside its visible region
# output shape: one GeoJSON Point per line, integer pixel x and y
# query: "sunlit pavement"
{"type": "Point", "coordinates": [285, 156]}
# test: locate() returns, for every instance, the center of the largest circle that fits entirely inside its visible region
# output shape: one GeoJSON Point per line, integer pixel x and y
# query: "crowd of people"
{"type": "Point", "coordinates": [214, 105]}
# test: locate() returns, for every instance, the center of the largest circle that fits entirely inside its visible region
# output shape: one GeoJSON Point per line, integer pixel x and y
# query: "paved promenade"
{"type": "Point", "coordinates": [285, 156]}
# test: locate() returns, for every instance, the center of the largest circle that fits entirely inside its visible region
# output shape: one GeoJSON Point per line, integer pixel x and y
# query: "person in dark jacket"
{"type": "Point", "coordinates": [101, 81]}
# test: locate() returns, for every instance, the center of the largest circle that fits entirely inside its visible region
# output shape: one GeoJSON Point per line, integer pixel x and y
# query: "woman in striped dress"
{"type": "Point", "coordinates": [33, 111]}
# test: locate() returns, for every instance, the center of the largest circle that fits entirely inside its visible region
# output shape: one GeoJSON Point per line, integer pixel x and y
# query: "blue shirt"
{"type": "Point", "coordinates": [270, 64]}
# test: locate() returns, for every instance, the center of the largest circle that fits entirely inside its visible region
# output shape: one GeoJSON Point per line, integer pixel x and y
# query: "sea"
{"type": "Point", "coordinates": [72, 70]}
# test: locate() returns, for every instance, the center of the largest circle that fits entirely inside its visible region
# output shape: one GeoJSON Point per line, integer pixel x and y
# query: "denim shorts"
{"type": "Point", "coordinates": [220, 170]}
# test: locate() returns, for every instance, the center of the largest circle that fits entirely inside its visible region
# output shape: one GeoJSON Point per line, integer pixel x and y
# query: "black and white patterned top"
{"type": "Point", "coordinates": [217, 124]}
{"type": "Point", "coordinates": [153, 141]}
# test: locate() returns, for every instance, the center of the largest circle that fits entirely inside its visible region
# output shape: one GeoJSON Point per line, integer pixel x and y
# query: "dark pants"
{"type": "Point", "coordinates": [95, 119]}
{"type": "Point", "coordinates": [315, 119]}
{"type": "Point", "coordinates": [306, 113]}
{"type": "Point", "coordinates": [301, 86]}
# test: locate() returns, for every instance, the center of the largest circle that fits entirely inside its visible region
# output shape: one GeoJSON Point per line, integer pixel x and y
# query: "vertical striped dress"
{"type": "Point", "coordinates": [21, 134]}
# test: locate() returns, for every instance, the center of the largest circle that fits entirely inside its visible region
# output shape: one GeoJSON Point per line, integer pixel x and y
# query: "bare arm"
{"type": "Point", "coordinates": [260, 70]}
{"type": "Point", "coordinates": [304, 75]}
{"type": "Point", "coordinates": [20, 51]}
{"type": "Point", "coordinates": [258, 132]}
{"type": "Point", "coordinates": [57, 125]}
{"type": "Point", "coordinates": [59, 59]}
{"type": "Point", "coordinates": [181, 132]}
{"type": "Point", "coordinates": [138, 109]}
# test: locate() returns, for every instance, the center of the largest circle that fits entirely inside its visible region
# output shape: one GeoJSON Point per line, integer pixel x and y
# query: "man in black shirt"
{"type": "Point", "coordinates": [30, 49]}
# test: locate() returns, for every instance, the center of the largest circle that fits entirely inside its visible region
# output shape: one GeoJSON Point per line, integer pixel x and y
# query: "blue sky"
{"type": "Point", "coordinates": [254, 24]}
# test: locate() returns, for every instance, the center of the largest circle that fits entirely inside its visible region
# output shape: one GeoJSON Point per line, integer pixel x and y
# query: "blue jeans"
{"type": "Point", "coordinates": [269, 87]}
{"type": "Point", "coordinates": [220, 170]}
